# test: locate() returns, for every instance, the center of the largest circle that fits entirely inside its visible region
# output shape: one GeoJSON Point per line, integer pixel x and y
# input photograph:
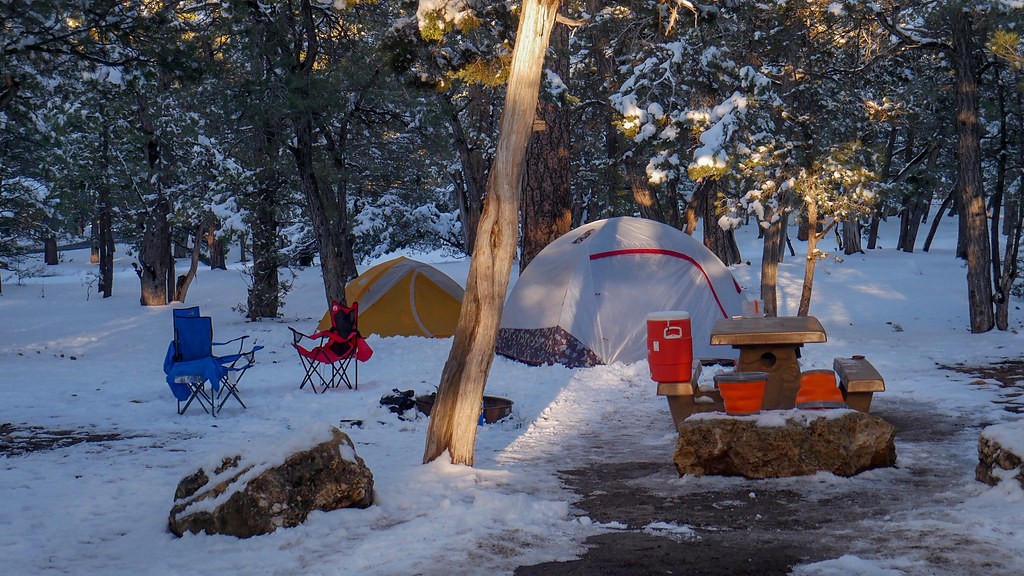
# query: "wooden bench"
{"type": "Point", "coordinates": [858, 380]}
{"type": "Point", "coordinates": [686, 398]}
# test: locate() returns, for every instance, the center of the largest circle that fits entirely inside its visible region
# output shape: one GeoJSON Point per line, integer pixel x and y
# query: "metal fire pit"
{"type": "Point", "coordinates": [495, 407]}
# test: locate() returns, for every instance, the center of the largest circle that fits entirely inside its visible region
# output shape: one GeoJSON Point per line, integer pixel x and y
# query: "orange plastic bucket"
{"type": "Point", "coordinates": [818, 390]}
{"type": "Point", "coordinates": [742, 392]}
{"type": "Point", "coordinates": [669, 346]}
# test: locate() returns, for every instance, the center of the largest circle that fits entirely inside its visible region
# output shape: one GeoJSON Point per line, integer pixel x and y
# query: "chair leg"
{"type": "Point", "coordinates": [197, 394]}
{"type": "Point", "coordinates": [308, 378]}
{"type": "Point", "coordinates": [229, 388]}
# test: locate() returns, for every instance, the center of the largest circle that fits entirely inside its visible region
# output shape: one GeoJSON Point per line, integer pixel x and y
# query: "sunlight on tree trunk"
{"type": "Point", "coordinates": [453, 419]}
{"type": "Point", "coordinates": [813, 236]}
{"type": "Point", "coordinates": [973, 217]}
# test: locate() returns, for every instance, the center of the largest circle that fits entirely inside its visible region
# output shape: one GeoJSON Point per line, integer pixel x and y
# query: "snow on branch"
{"type": "Point", "coordinates": [710, 158]}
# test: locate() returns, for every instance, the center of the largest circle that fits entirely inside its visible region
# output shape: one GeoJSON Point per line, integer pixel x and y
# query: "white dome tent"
{"type": "Point", "coordinates": [584, 299]}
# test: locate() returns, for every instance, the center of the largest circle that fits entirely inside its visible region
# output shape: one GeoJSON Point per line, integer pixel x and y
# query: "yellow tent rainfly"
{"type": "Point", "coordinates": [404, 297]}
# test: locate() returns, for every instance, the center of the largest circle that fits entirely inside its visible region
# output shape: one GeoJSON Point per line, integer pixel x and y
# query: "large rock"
{"type": "Point", "coordinates": [248, 496]}
{"type": "Point", "coordinates": [998, 454]}
{"type": "Point", "coordinates": [777, 444]}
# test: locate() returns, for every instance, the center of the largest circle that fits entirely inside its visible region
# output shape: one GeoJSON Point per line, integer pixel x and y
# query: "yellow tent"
{"type": "Point", "coordinates": [404, 297]}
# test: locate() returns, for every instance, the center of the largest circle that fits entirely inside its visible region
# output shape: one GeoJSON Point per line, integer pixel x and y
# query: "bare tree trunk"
{"type": "Point", "coordinates": [851, 237]}
{"type": "Point", "coordinates": [50, 251]}
{"type": "Point", "coordinates": [811, 259]}
{"type": "Point", "coordinates": [646, 200]}
{"type": "Point", "coordinates": [876, 212]}
{"type": "Point", "coordinates": [243, 252]}
{"type": "Point", "coordinates": [1011, 222]}
{"type": "Point", "coordinates": [185, 280]}
{"type": "Point", "coordinates": [721, 242]}
{"type": "Point", "coordinates": [453, 419]}
{"type": "Point", "coordinates": [94, 242]}
{"type": "Point", "coordinates": [264, 298]}
{"type": "Point", "coordinates": [972, 214]}
{"type": "Point", "coordinates": [772, 248]}
{"type": "Point", "coordinates": [155, 265]}
{"type": "Point", "coordinates": [105, 255]}
{"type": "Point", "coordinates": [103, 233]}
{"type": "Point", "coordinates": [471, 181]}
{"type": "Point", "coordinates": [547, 191]}
{"type": "Point", "coordinates": [813, 236]}
{"type": "Point", "coordinates": [329, 216]}
{"type": "Point", "coordinates": [697, 201]}
{"type": "Point", "coordinates": [329, 212]}
{"type": "Point", "coordinates": [264, 293]}
{"type": "Point", "coordinates": [938, 216]}
{"type": "Point", "coordinates": [774, 240]}
{"type": "Point", "coordinates": [215, 246]}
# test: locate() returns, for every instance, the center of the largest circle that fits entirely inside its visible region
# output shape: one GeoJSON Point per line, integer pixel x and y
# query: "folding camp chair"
{"type": "Point", "coordinates": [335, 349]}
{"type": "Point", "coordinates": [190, 364]}
{"type": "Point", "coordinates": [235, 366]}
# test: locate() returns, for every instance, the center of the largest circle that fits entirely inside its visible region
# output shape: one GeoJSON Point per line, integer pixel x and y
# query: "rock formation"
{"type": "Point", "coordinates": [784, 443]}
{"type": "Point", "coordinates": [243, 497]}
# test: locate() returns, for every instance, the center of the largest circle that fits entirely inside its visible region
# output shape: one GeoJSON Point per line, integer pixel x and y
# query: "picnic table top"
{"type": "Point", "coordinates": [767, 331]}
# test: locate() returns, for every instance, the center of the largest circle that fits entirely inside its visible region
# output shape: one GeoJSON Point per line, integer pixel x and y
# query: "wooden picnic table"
{"type": "Point", "coordinates": [772, 345]}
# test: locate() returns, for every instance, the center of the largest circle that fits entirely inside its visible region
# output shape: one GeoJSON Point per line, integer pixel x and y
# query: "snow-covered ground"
{"type": "Point", "coordinates": [72, 361]}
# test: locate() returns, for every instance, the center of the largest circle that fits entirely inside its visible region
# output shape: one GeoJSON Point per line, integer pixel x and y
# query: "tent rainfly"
{"type": "Point", "coordinates": [405, 297]}
{"type": "Point", "coordinates": [585, 298]}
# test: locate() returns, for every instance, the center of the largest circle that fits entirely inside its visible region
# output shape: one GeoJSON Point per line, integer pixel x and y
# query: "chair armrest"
{"type": "Point", "coordinates": [240, 340]}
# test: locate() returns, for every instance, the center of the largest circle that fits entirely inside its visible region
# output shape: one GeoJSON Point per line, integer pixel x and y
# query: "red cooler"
{"type": "Point", "coordinates": [669, 346]}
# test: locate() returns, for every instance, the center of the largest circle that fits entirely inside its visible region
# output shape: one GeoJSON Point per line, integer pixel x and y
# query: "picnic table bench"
{"type": "Point", "coordinates": [858, 380]}
{"type": "Point", "coordinates": [687, 398]}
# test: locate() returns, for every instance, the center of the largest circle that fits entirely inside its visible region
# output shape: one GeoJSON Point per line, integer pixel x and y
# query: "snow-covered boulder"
{"type": "Point", "coordinates": [782, 443]}
{"type": "Point", "coordinates": [1000, 452]}
{"type": "Point", "coordinates": [245, 496]}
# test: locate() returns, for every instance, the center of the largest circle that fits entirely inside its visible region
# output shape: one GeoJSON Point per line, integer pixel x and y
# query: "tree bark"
{"type": "Point", "coordinates": [646, 200]}
{"type": "Point", "coordinates": [155, 265]}
{"type": "Point", "coordinates": [770, 256]}
{"type": "Point", "coordinates": [453, 420]}
{"type": "Point", "coordinates": [721, 242]}
{"type": "Point", "coordinates": [215, 246]}
{"type": "Point", "coordinates": [328, 215]}
{"type": "Point", "coordinates": [547, 194]}
{"type": "Point", "coordinates": [264, 292]}
{"type": "Point", "coordinates": [94, 242]}
{"type": "Point", "coordinates": [105, 254]}
{"type": "Point", "coordinates": [876, 212]}
{"type": "Point", "coordinates": [811, 260]}
{"type": "Point", "coordinates": [938, 217]}
{"type": "Point", "coordinates": [972, 213]}
{"type": "Point", "coordinates": [471, 181]}
{"type": "Point", "coordinates": [185, 280]}
{"type": "Point", "coordinates": [1011, 221]}
{"type": "Point", "coordinates": [50, 251]}
{"type": "Point", "coordinates": [851, 237]}
{"type": "Point", "coordinates": [103, 232]}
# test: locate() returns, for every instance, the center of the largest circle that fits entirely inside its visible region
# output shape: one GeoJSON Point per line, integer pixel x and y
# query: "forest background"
{"type": "Point", "coordinates": [337, 131]}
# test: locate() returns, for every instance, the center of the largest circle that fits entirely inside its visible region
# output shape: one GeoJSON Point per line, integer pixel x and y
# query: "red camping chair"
{"type": "Point", "coordinates": [335, 349]}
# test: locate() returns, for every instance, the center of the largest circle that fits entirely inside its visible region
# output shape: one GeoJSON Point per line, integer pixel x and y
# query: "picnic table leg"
{"type": "Point", "coordinates": [783, 368]}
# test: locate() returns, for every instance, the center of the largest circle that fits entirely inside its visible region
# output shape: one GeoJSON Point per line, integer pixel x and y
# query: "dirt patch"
{"type": "Point", "coordinates": [741, 527]}
{"type": "Point", "coordinates": [1008, 376]}
{"type": "Point", "coordinates": [17, 439]}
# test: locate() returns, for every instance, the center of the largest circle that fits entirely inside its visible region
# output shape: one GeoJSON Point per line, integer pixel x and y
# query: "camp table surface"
{"type": "Point", "coordinates": [771, 345]}
{"type": "Point", "coordinates": [767, 331]}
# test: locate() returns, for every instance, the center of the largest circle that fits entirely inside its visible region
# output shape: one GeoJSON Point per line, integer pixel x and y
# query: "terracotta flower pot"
{"type": "Point", "coordinates": [742, 392]}
{"type": "Point", "coordinates": [818, 390]}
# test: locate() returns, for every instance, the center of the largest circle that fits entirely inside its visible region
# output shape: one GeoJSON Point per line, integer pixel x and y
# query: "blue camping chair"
{"type": "Point", "coordinates": [190, 363]}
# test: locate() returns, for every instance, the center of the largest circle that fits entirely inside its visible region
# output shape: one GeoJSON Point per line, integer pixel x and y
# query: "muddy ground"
{"type": "Point", "coordinates": [767, 528]}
